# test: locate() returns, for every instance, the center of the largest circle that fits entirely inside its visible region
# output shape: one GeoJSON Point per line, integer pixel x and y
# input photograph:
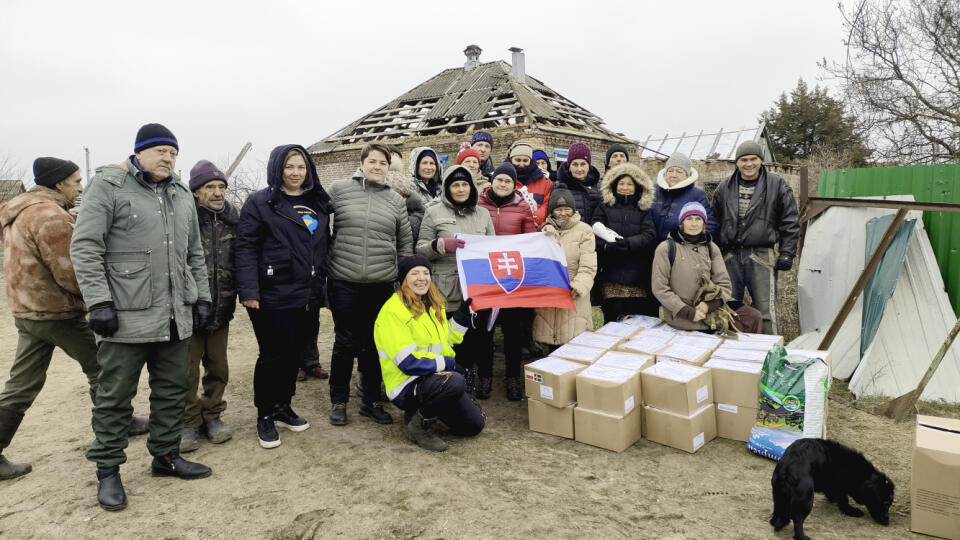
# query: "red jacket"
{"type": "Point", "coordinates": [514, 217]}
{"type": "Point", "coordinates": [539, 189]}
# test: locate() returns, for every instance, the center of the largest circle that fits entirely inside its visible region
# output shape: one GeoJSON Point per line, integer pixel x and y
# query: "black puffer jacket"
{"type": "Point", "coordinates": [278, 261]}
{"type": "Point", "coordinates": [772, 216]}
{"type": "Point", "coordinates": [218, 236]}
{"type": "Point", "coordinates": [629, 216]}
{"type": "Point", "coordinates": [586, 193]}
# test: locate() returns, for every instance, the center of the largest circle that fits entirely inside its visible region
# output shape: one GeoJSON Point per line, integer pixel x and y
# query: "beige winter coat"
{"type": "Point", "coordinates": [677, 286]}
{"type": "Point", "coordinates": [558, 326]}
{"type": "Point", "coordinates": [41, 284]}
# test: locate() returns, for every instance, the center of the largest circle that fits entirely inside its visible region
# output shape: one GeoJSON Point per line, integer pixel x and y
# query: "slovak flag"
{"type": "Point", "coordinates": [518, 270]}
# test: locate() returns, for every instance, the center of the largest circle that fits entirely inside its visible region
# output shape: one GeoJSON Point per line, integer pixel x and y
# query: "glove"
{"type": "Point", "coordinates": [605, 233]}
{"type": "Point", "coordinates": [462, 315]}
{"type": "Point", "coordinates": [621, 244]}
{"type": "Point", "coordinates": [784, 264]}
{"type": "Point", "coordinates": [103, 319]}
{"type": "Point", "coordinates": [452, 244]}
{"type": "Point", "coordinates": [686, 312]}
{"type": "Point", "coordinates": [202, 313]}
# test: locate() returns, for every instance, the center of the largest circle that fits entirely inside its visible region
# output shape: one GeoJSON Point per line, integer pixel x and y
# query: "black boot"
{"type": "Point", "coordinates": [174, 465]}
{"type": "Point", "coordinates": [110, 492]}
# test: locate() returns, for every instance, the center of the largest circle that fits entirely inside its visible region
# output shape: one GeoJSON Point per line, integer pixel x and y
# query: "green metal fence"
{"type": "Point", "coordinates": [928, 183]}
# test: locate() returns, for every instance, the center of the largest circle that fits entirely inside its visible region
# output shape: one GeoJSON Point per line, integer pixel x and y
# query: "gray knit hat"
{"type": "Point", "coordinates": [749, 148]}
{"type": "Point", "coordinates": [679, 159]}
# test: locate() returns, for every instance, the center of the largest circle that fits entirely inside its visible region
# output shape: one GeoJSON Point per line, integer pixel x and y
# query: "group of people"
{"type": "Point", "coordinates": [151, 269]}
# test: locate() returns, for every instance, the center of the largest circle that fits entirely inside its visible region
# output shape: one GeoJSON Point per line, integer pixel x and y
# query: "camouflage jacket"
{"type": "Point", "coordinates": [41, 284]}
{"type": "Point", "coordinates": [217, 233]}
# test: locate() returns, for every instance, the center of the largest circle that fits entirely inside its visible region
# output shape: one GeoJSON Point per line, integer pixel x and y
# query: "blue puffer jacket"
{"type": "Point", "coordinates": [669, 200]}
{"type": "Point", "coordinates": [277, 260]}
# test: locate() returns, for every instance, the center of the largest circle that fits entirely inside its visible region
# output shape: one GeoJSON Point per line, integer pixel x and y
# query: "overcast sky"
{"type": "Point", "coordinates": [219, 74]}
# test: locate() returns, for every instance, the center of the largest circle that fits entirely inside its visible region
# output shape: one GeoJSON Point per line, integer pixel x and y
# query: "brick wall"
{"type": "Point", "coordinates": [342, 162]}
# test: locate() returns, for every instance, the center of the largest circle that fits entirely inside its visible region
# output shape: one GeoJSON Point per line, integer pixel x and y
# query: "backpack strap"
{"type": "Point", "coordinates": [671, 250]}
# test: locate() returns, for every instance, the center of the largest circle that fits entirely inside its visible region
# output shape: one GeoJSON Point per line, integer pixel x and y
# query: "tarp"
{"type": "Point", "coordinates": [915, 320]}
{"type": "Point", "coordinates": [884, 280]}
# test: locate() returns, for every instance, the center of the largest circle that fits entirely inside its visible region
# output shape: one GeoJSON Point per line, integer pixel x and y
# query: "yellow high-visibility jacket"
{"type": "Point", "coordinates": [411, 347]}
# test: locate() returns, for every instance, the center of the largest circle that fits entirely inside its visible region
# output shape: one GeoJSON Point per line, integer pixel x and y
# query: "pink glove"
{"type": "Point", "coordinates": [452, 244]}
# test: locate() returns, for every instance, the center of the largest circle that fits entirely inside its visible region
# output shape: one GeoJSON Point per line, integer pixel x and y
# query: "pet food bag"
{"type": "Point", "coordinates": [792, 402]}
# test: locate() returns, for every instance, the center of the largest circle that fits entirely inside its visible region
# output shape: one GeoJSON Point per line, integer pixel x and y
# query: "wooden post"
{"type": "Point", "coordinates": [858, 287]}
{"type": "Point", "coordinates": [804, 196]}
{"type": "Point", "coordinates": [236, 162]}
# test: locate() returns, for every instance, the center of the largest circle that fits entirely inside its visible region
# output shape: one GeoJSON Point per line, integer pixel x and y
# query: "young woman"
{"type": "Point", "coordinates": [510, 215]}
{"type": "Point", "coordinates": [695, 261]}
{"type": "Point", "coordinates": [415, 342]}
{"type": "Point", "coordinates": [281, 267]}
{"type": "Point", "coordinates": [554, 326]}
{"type": "Point", "coordinates": [625, 278]}
{"type": "Point", "coordinates": [458, 213]}
{"type": "Point", "coordinates": [371, 232]}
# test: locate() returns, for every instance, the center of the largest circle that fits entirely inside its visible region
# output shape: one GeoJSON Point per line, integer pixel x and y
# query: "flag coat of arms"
{"type": "Point", "coordinates": [520, 270]}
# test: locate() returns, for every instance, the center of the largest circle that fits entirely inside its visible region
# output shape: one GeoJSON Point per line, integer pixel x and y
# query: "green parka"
{"type": "Point", "coordinates": [139, 247]}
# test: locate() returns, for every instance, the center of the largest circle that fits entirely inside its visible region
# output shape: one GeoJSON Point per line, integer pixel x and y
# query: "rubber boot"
{"type": "Point", "coordinates": [9, 422]}
{"type": "Point", "coordinates": [418, 431]}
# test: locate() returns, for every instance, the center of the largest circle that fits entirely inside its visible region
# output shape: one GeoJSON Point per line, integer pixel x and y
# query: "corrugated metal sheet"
{"type": "Point", "coordinates": [915, 321]}
{"type": "Point", "coordinates": [701, 145]}
{"type": "Point", "coordinates": [929, 183]}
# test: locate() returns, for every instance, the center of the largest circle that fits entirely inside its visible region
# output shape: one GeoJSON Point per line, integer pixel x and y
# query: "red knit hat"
{"type": "Point", "coordinates": [578, 150]}
{"type": "Point", "coordinates": [464, 154]}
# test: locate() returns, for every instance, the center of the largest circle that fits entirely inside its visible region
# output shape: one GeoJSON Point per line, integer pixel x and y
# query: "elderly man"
{"type": "Point", "coordinates": [139, 262]}
{"type": "Point", "coordinates": [755, 209]}
{"type": "Point", "coordinates": [218, 223]}
{"type": "Point", "coordinates": [43, 295]}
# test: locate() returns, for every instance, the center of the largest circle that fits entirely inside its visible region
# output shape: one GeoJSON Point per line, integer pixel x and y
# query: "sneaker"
{"type": "Point", "coordinates": [189, 439]}
{"type": "Point", "coordinates": [515, 388]}
{"type": "Point", "coordinates": [267, 432]}
{"type": "Point", "coordinates": [338, 414]}
{"type": "Point", "coordinates": [217, 431]}
{"type": "Point", "coordinates": [484, 387]}
{"type": "Point", "coordinates": [301, 375]}
{"type": "Point", "coordinates": [375, 412]}
{"type": "Point", "coordinates": [284, 417]}
{"type": "Point", "coordinates": [317, 372]}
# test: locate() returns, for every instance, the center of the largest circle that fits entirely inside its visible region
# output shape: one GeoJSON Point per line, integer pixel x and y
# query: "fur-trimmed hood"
{"type": "Point", "coordinates": [639, 177]}
{"type": "Point", "coordinates": [662, 180]}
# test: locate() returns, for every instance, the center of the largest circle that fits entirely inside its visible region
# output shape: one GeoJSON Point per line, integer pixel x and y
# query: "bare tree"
{"type": "Point", "coordinates": [9, 169]}
{"type": "Point", "coordinates": [243, 182]}
{"type": "Point", "coordinates": [902, 76]}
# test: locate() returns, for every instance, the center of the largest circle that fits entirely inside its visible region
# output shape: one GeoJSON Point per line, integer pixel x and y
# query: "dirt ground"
{"type": "Point", "coordinates": [367, 481]}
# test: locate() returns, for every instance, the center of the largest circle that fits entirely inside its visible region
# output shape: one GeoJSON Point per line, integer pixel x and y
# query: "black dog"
{"type": "Point", "coordinates": [833, 469]}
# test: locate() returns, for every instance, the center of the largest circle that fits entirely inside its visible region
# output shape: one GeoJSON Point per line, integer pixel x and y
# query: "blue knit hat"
{"type": "Point", "coordinates": [693, 208]}
{"type": "Point", "coordinates": [151, 135]}
{"type": "Point", "coordinates": [482, 136]}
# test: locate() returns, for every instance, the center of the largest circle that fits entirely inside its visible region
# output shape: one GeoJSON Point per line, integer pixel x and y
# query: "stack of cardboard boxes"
{"type": "Point", "coordinates": [678, 406]}
{"type": "Point", "coordinates": [634, 379]}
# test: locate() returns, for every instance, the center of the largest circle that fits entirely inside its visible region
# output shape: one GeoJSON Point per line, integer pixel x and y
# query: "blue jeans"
{"type": "Point", "coordinates": [751, 268]}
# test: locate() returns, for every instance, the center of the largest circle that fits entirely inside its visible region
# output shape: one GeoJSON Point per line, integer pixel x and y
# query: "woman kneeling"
{"type": "Point", "coordinates": [415, 343]}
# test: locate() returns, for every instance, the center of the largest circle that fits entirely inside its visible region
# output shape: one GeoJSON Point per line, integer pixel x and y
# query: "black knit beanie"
{"type": "Point", "coordinates": [561, 197]}
{"type": "Point", "coordinates": [410, 262]}
{"type": "Point", "coordinates": [50, 171]}
{"type": "Point", "coordinates": [152, 135]}
{"type": "Point", "coordinates": [615, 148]}
{"type": "Point", "coordinates": [506, 168]}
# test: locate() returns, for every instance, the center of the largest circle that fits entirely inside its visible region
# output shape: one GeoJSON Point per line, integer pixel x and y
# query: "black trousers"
{"type": "Point", "coordinates": [355, 307]}
{"type": "Point", "coordinates": [476, 349]}
{"type": "Point", "coordinates": [282, 335]}
{"type": "Point", "coordinates": [515, 325]}
{"type": "Point", "coordinates": [442, 396]}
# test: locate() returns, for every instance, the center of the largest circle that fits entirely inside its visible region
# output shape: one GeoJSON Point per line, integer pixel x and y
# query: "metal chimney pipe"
{"type": "Point", "coordinates": [519, 69]}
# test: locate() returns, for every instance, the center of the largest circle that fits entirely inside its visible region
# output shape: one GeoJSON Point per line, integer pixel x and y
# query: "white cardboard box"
{"type": "Point", "coordinates": [618, 329]}
{"type": "Point", "coordinates": [647, 341]}
{"type": "Point", "coordinates": [595, 340]}
{"type": "Point", "coordinates": [625, 360]}
{"type": "Point", "coordinates": [552, 381]}
{"type": "Point", "coordinates": [674, 387]}
{"type": "Point", "coordinates": [608, 389]}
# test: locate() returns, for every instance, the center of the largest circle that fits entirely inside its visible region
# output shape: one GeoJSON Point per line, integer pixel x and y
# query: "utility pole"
{"type": "Point", "coordinates": [243, 151]}
{"type": "Point", "coordinates": [86, 152]}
